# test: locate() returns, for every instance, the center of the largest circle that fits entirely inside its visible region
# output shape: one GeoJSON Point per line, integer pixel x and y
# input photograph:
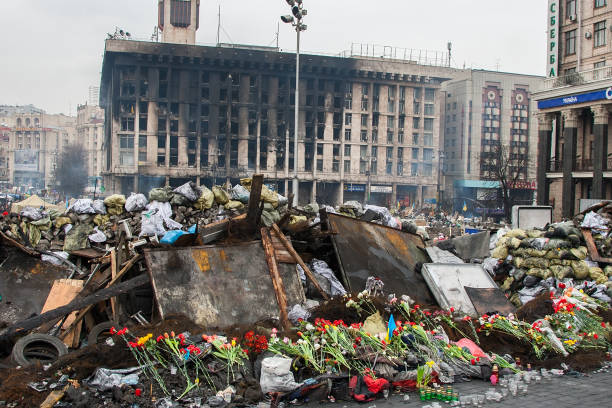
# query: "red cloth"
{"type": "Point", "coordinates": [473, 347]}
{"type": "Point", "coordinates": [375, 385]}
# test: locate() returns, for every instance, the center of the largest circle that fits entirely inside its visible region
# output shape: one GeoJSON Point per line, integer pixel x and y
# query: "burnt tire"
{"type": "Point", "coordinates": [98, 332]}
{"type": "Point", "coordinates": [38, 347]}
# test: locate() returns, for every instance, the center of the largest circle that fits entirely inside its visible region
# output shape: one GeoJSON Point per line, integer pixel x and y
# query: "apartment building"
{"type": "Point", "coordinates": [369, 127]}
{"type": "Point", "coordinates": [574, 106]}
{"type": "Point", "coordinates": [35, 142]}
{"type": "Point", "coordinates": [90, 133]}
{"type": "Point", "coordinates": [485, 110]}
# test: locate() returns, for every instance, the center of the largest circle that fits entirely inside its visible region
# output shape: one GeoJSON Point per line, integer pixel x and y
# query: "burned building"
{"type": "Point", "coordinates": [369, 127]}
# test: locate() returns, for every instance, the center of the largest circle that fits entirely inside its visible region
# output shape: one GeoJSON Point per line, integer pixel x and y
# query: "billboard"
{"type": "Point", "coordinates": [26, 160]}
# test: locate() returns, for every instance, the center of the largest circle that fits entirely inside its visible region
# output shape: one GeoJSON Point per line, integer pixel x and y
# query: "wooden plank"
{"type": "Point", "coordinates": [299, 260]}
{"type": "Point", "coordinates": [119, 275]}
{"type": "Point", "coordinates": [277, 281]}
{"type": "Point", "coordinates": [63, 292]}
{"type": "Point", "coordinates": [281, 253]}
{"type": "Point", "coordinates": [217, 229]}
{"type": "Point", "coordinates": [85, 302]}
{"type": "Point", "coordinates": [16, 244]}
{"type": "Point", "coordinates": [593, 253]}
{"type": "Point", "coordinates": [113, 268]}
{"type": "Point", "coordinates": [254, 198]}
{"type": "Point", "coordinates": [54, 397]}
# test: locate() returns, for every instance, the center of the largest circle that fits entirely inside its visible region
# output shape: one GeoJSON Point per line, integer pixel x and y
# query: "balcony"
{"type": "Point", "coordinates": [583, 165]}
{"type": "Point", "coordinates": [555, 166]}
{"type": "Point", "coordinates": [578, 78]}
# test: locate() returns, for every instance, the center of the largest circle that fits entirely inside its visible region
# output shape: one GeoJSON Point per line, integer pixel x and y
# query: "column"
{"type": "Point", "coordinates": [600, 149]}
{"type": "Point", "coordinates": [394, 195]}
{"type": "Point", "coordinates": [341, 193]}
{"type": "Point", "coordinates": [570, 133]}
{"type": "Point", "coordinates": [313, 191]}
{"type": "Point", "coordinates": [544, 137]}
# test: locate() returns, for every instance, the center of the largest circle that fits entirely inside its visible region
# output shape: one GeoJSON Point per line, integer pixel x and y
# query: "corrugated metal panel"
{"type": "Point", "coordinates": [219, 286]}
{"type": "Point", "coordinates": [366, 249]}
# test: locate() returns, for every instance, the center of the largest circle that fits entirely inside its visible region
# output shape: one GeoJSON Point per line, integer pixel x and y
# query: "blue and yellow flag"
{"type": "Point", "coordinates": [464, 207]}
{"type": "Point", "coordinates": [390, 328]}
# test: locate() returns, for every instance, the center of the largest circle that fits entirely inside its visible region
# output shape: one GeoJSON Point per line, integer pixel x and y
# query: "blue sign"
{"type": "Point", "coordinates": [574, 99]}
{"type": "Point", "coordinates": [357, 188]}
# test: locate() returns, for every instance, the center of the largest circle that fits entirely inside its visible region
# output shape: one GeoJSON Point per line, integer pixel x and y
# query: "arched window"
{"type": "Point", "coordinates": [27, 121]}
{"type": "Point", "coordinates": [18, 122]}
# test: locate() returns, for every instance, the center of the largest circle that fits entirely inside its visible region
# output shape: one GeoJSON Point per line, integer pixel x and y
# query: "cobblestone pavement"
{"type": "Point", "coordinates": [588, 390]}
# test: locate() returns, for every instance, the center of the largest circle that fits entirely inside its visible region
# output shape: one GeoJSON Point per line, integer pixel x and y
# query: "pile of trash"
{"type": "Point", "coordinates": [87, 222]}
{"type": "Point", "coordinates": [531, 262]}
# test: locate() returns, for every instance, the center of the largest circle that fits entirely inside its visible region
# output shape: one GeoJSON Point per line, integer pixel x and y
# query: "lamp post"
{"type": "Point", "coordinates": [296, 21]}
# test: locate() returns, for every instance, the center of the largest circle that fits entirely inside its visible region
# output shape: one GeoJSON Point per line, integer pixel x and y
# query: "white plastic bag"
{"type": "Point", "coordinates": [31, 213]}
{"type": "Point", "coordinates": [388, 219]}
{"type": "Point", "coordinates": [98, 236]}
{"type": "Point", "coordinates": [154, 218]}
{"type": "Point", "coordinates": [135, 202]}
{"type": "Point", "coordinates": [82, 206]}
{"type": "Point", "coordinates": [276, 375]}
{"type": "Point", "coordinates": [99, 207]}
{"type": "Point", "coordinates": [189, 191]}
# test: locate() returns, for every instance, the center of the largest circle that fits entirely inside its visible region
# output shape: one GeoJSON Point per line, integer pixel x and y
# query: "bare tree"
{"type": "Point", "coordinates": [508, 166]}
{"type": "Point", "coordinates": [71, 170]}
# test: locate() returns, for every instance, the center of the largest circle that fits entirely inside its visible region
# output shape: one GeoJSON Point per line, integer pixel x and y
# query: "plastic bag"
{"type": "Point", "coordinates": [269, 217]}
{"type": "Point", "coordinates": [267, 195]}
{"type": "Point", "coordinates": [221, 196]}
{"type": "Point", "coordinates": [82, 206]}
{"type": "Point", "coordinates": [114, 204]}
{"type": "Point", "coordinates": [135, 202]}
{"type": "Point", "coordinates": [298, 312]}
{"type": "Point", "coordinates": [206, 199]}
{"type": "Point", "coordinates": [276, 375]}
{"type": "Point", "coordinates": [98, 236]}
{"type": "Point", "coordinates": [99, 207]}
{"type": "Point", "coordinates": [282, 200]}
{"type": "Point", "coordinates": [388, 219]}
{"type": "Point", "coordinates": [161, 194]}
{"type": "Point", "coordinates": [105, 379]}
{"type": "Point", "coordinates": [321, 269]}
{"type": "Point", "coordinates": [189, 190]}
{"type": "Point", "coordinates": [170, 237]}
{"type": "Point", "coordinates": [180, 200]}
{"type": "Point", "coordinates": [157, 215]}
{"type": "Point", "coordinates": [234, 205]}
{"type": "Point", "coordinates": [312, 208]}
{"type": "Point", "coordinates": [54, 259]}
{"type": "Point", "coordinates": [31, 213]}
{"type": "Point", "coordinates": [240, 193]}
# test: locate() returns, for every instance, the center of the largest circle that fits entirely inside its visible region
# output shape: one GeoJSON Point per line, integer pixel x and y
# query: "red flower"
{"type": "Point", "coordinates": [561, 285]}
{"type": "Point", "coordinates": [113, 330]}
{"type": "Point", "coordinates": [452, 309]}
{"type": "Point", "coordinates": [416, 307]}
{"type": "Point", "coordinates": [466, 318]}
{"type": "Point", "coordinates": [473, 361]}
{"type": "Point", "coordinates": [595, 336]}
{"type": "Point", "coordinates": [160, 338]}
{"type": "Point", "coordinates": [5, 213]}
{"type": "Point", "coordinates": [138, 392]}
{"type": "Point", "coordinates": [603, 325]}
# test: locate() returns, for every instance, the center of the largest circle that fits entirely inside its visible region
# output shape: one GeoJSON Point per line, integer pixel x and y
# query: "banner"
{"type": "Point", "coordinates": [26, 160]}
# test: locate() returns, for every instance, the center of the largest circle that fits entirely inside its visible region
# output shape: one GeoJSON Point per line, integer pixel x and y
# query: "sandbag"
{"type": "Point", "coordinates": [312, 208]}
{"type": "Point", "coordinates": [61, 221]}
{"type": "Point", "coordinates": [269, 217]}
{"type": "Point", "coordinates": [581, 269]}
{"type": "Point", "coordinates": [189, 190]}
{"type": "Point", "coordinates": [535, 243]}
{"type": "Point", "coordinates": [267, 195]}
{"type": "Point", "coordinates": [562, 272]}
{"type": "Point", "coordinates": [31, 213]}
{"type": "Point", "coordinates": [77, 237]}
{"type": "Point", "coordinates": [517, 233]}
{"type": "Point", "coordinates": [555, 243]}
{"type": "Point", "coordinates": [540, 273]}
{"type": "Point", "coordinates": [99, 207]}
{"type": "Point", "coordinates": [579, 253]}
{"type": "Point", "coordinates": [161, 194]}
{"type": "Point", "coordinates": [597, 274]}
{"type": "Point", "coordinates": [180, 200]}
{"type": "Point", "coordinates": [294, 219]}
{"type": "Point", "coordinates": [135, 202]}
{"type": "Point", "coordinates": [535, 233]}
{"type": "Point", "coordinates": [500, 252]}
{"type": "Point", "coordinates": [608, 270]}
{"type": "Point", "coordinates": [240, 193]}
{"type": "Point", "coordinates": [114, 204]}
{"type": "Point", "coordinates": [541, 263]}
{"type": "Point", "coordinates": [206, 199]}
{"type": "Point", "coordinates": [518, 262]}
{"type": "Point", "coordinates": [234, 205]}
{"type": "Point", "coordinates": [82, 206]}
{"type": "Point", "coordinates": [221, 196]}
{"type": "Point", "coordinates": [100, 219]}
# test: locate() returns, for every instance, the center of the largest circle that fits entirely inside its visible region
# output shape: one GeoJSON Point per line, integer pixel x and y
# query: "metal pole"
{"type": "Point", "coordinates": [298, 28]}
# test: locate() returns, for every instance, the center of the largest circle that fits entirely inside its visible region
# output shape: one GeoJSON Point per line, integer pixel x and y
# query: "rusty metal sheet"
{"type": "Point", "coordinates": [219, 286]}
{"type": "Point", "coordinates": [489, 301]}
{"type": "Point", "coordinates": [366, 249]}
{"type": "Point", "coordinates": [25, 282]}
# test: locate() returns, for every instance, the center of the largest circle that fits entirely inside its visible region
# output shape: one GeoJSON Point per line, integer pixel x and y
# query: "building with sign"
{"type": "Point", "coordinates": [369, 126]}
{"type": "Point", "coordinates": [575, 151]}
{"type": "Point", "coordinates": [484, 111]}
{"type": "Point", "coordinates": [35, 139]}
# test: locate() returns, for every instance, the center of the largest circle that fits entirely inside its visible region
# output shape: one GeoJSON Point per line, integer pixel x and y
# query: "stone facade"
{"type": "Point", "coordinates": [574, 105]}
{"type": "Point", "coordinates": [90, 133]}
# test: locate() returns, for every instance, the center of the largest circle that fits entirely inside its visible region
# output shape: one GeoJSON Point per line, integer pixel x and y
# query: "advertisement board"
{"type": "Point", "coordinates": [381, 189]}
{"type": "Point", "coordinates": [358, 188]}
{"type": "Point", "coordinates": [552, 57]}
{"type": "Point", "coordinates": [26, 160]}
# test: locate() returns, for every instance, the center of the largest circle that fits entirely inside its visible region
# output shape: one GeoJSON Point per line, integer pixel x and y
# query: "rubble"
{"type": "Point", "coordinates": [215, 297]}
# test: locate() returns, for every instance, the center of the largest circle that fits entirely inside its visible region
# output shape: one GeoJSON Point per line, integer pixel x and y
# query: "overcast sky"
{"type": "Point", "coordinates": [51, 50]}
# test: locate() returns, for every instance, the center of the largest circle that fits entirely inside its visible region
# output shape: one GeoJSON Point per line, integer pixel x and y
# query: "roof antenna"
{"type": "Point", "coordinates": [218, 24]}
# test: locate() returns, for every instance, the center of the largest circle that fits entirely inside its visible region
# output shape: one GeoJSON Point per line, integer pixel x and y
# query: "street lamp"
{"type": "Point", "coordinates": [296, 21]}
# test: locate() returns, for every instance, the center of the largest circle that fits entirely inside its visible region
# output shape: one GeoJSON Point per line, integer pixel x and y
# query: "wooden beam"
{"type": "Point", "coordinates": [593, 253]}
{"type": "Point", "coordinates": [17, 245]}
{"type": "Point", "coordinates": [277, 281]}
{"type": "Point", "coordinates": [299, 260]}
{"type": "Point", "coordinates": [254, 198]}
{"type": "Point", "coordinates": [113, 301]}
{"type": "Point", "coordinates": [77, 304]}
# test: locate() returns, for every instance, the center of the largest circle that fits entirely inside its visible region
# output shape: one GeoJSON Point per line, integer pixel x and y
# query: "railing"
{"type": "Point", "coordinates": [578, 78]}
{"type": "Point", "coordinates": [583, 165]}
{"type": "Point", "coordinates": [421, 57]}
{"type": "Point", "coordinates": [609, 164]}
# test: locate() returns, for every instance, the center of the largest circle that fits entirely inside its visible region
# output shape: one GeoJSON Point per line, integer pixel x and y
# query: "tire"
{"type": "Point", "coordinates": [38, 347]}
{"type": "Point", "coordinates": [97, 330]}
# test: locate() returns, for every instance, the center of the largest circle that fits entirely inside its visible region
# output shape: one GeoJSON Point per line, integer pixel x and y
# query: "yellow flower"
{"type": "Point", "coordinates": [197, 381]}
{"type": "Point", "coordinates": [430, 363]}
{"type": "Point", "coordinates": [233, 343]}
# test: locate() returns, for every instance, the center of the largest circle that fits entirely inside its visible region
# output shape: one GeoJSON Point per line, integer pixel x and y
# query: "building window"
{"type": "Point", "coordinates": [428, 139]}
{"type": "Point", "coordinates": [429, 109]}
{"type": "Point", "coordinates": [364, 135]}
{"type": "Point", "coordinates": [599, 34]}
{"type": "Point", "coordinates": [365, 88]}
{"type": "Point", "coordinates": [335, 166]}
{"type": "Point", "coordinates": [417, 94]}
{"type": "Point", "coordinates": [126, 150]}
{"type": "Point", "coordinates": [416, 108]}
{"type": "Point", "coordinates": [347, 150]}
{"type": "Point", "coordinates": [364, 120]}
{"type": "Point", "coordinates": [570, 9]}
{"type": "Point", "coordinates": [415, 154]}
{"type": "Point", "coordinates": [415, 139]}
{"type": "Point", "coordinates": [430, 94]}
{"type": "Point", "coordinates": [319, 164]}
{"type": "Point", "coordinates": [348, 119]}
{"type": "Point", "coordinates": [416, 123]}
{"type": "Point", "coordinates": [347, 135]}
{"type": "Point", "coordinates": [600, 3]}
{"type": "Point", "coordinates": [347, 166]}
{"type": "Point", "coordinates": [570, 42]}
{"type": "Point", "coordinates": [428, 124]}
{"type": "Point", "coordinates": [400, 137]}
{"type": "Point", "coordinates": [389, 136]}
{"type": "Point", "coordinates": [364, 104]}
{"type": "Point", "coordinates": [427, 155]}
{"type": "Point", "coordinates": [336, 150]}
{"type": "Point", "coordinates": [414, 169]}
{"type": "Point", "coordinates": [348, 103]}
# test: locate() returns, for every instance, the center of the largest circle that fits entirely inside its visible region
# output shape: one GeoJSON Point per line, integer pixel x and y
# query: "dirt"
{"type": "Point", "coordinates": [335, 309]}
{"type": "Point", "coordinates": [535, 309]}
{"type": "Point", "coordinates": [606, 315]}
